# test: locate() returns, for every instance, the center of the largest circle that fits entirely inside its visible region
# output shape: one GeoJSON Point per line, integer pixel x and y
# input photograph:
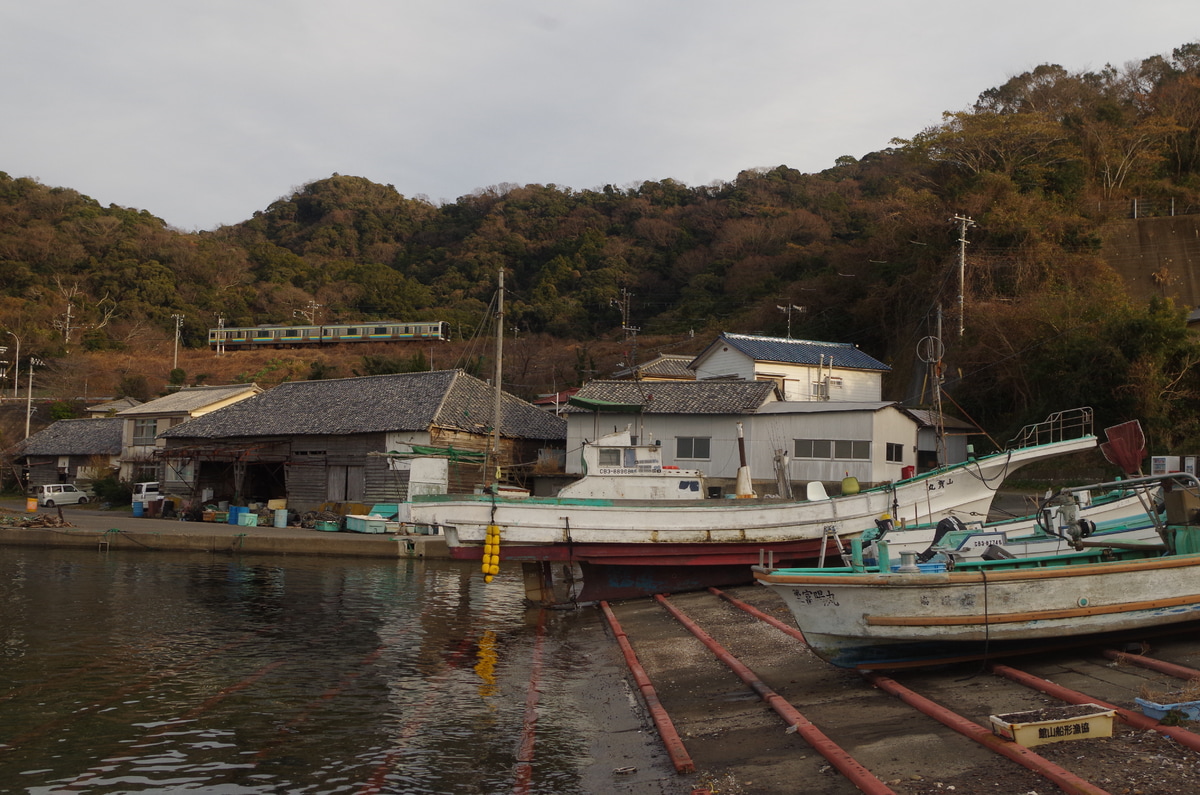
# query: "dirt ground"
{"type": "Point", "coordinates": [741, 746]}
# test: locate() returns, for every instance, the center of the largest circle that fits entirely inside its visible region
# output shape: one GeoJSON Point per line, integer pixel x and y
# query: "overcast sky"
{"type": "Point", "coordinates": [203, 112]}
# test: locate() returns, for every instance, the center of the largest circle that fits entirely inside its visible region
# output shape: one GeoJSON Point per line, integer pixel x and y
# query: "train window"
{"type": "Point", "coordinates": [381, 330]}
{"type": "Point", "coordinates": [351, 331]}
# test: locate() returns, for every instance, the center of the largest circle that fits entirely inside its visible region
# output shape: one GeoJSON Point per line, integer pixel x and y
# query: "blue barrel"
{"type": "Point", "coordinates": [234, 512]}
{"type": "Point", "coordinates": [139, 508]}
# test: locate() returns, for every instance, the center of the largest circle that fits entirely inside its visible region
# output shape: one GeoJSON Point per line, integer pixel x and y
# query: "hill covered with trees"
{"type": "Point", "coordinates": [866, 251]}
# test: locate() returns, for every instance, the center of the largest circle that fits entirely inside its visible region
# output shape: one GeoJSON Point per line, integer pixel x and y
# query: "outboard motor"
{"type": "Point", "coordinates": [947, 525]}
{"type": "Point", "coordinates": [1081, 529]}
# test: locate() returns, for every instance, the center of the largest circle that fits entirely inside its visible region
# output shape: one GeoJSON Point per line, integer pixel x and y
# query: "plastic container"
{"type": "Point", "coordinates": [366, 524]}
{"type": "Point", "coordinates": [1186, 710]}
{"type": "Point", "coordinates": [327, 527]}
{"type": "Point", "coordinates": [1054, 724]}
{"type": "Point", "coordinates": [281, 517]}
{"type": "Point", "coordinates": [247, 519]}
{"type": "Point", "coordinates": [235, 511]}
{"type": "Point", "coordinates": [139, 509]}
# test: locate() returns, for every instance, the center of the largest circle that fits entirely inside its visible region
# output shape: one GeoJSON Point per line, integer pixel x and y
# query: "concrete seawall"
{"type": "Point", "coordinates": [96, 529]}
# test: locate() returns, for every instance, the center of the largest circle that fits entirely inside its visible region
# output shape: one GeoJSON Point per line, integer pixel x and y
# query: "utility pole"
{"type": "Point", "coordinates": [65, 324]}
{"type": "Point", "coordinates": [963, 223]}
{"type": "Point", "coordinates": [494, 467]}
{"type": "Point", "coordinates": [29, 394]}
{"type": "Point", "coordinates": [309, 314]}
{"type": "Point", "coordinates": [630, 331]}
{"type": "Point", "coordinates": [178, 325]}
{"type": "Point", "coordinates": [16, 366]}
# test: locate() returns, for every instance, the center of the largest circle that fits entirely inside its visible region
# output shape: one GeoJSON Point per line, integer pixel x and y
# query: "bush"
{"type": "Point", "coordinates": [115, 492]}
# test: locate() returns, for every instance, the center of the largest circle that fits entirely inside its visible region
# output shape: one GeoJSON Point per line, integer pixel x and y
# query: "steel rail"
{"type": "Point", "coordinates": [1063, 778]}
{"type": "Point", "coordinates": [847, 765]}
{"type": "Point", "coordinates": [667, 732]}
{"type": "Point", "coordinates": [1134, 719]}
{"type": "Point", "coordinates": [524, 767]}
{"type": "Point", "coordinates": [760, 615]}
{"type": "Point", "coordinates": [1161, 666]}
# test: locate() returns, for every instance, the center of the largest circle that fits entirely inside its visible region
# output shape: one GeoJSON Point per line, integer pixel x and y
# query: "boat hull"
{"type": "Point", "coordinates": [885, 620]}
{"type": "Point", "coordinates": [658, 543]}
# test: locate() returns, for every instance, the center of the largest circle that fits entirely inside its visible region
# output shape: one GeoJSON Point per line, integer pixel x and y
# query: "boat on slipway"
{"type": "Point", "coordinates": [632, 527]}
{"type": "Point", "coordinates": [911, 614]}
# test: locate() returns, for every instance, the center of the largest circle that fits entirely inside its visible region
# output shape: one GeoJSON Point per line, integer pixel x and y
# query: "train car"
{"type": "Point", "coordinates": [267, 336]}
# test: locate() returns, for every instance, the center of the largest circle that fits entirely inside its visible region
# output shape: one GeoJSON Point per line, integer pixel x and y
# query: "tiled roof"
{"type": "Point", "coordinates": [928, 419]}
{"type": "Point", "coordinates": [75, 437]}
{"type": "Point", "coordinates": [113, 406]}
{"type": "Point", "coordinates": [375, 404]}
{"type": "Point", "coordinates": [190, 398]}
{"type": "Point", "coordinates": [778, 349]}
{"type": "Point", "coordinates": [682, 397]}
{"type": "Point", "coordinates": [667, 365]}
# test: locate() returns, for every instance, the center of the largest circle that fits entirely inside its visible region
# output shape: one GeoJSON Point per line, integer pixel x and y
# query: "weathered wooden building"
{"type": "Point", "coordinates": [346, 441]}
{"type": "Point", "coordinates": [70, 451]}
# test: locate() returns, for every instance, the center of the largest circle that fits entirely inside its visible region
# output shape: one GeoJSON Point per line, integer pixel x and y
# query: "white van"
{"type": "Point", "coordinates": [146, 492]}
{"type": "Point", "coordinates": [53, 494]}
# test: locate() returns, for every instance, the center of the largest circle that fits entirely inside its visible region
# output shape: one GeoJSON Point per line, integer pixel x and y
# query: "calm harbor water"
{"type": "Point", "coordinates": [157, 672]}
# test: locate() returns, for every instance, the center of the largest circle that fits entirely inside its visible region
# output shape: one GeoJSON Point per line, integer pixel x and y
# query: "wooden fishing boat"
{"type": "Point", "coordinates": [615, 540]}
{"type": "Point", "coordinates": [890, 616]}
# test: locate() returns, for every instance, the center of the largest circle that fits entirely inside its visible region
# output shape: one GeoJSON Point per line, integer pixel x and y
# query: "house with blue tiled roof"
{"type": "Point", "coordinates": [802, 370]}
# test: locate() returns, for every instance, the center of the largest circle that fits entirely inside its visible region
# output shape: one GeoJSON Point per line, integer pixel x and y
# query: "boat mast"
{"type": "Point", "coordinates": [493, 475]}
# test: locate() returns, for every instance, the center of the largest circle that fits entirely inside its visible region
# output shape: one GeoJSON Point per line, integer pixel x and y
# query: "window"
{"type": "Point", "coordinates": [144, 431]}
{"type": "Point", "coordinates": [833, 449]}
{"type": "Point", "coordinates": [381, 330]}
{"type": "Point", "coordinates": [895, 453]}
{"type": "Point", "coordinates": [610, 457]}
{"type": "Point", "coordinates": [692, 447]}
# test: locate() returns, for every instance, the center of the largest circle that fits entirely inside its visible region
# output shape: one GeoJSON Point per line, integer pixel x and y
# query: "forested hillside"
{"type": "Point", "coordinates": [865, 251]}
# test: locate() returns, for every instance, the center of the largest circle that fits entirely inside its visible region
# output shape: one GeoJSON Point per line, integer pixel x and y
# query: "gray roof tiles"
{"type": "Point", "coordinates": [75, 437]}
{"type": "Point", "coordinates": [374, 404]}
{"type": "Point", "coordinates": [189, 399]}
{"type": "Point", "coordinates": [682, 397]}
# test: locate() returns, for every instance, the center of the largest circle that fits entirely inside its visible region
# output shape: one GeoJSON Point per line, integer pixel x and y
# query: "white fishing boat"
{"type": "Point", "coordinates": [1125, 514]}
{"type": "Point", "coordinates": [624, 531]}
{"type": "Point", "coordinates": [918, 614]}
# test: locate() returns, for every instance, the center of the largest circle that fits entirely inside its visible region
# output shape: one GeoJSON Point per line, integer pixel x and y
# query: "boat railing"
{"type": "Point", "coordinates": [1060, 426]}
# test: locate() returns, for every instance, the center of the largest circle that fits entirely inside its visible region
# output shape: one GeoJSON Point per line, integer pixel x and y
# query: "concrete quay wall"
{"type": "Point", "coordinates": [95, 529]}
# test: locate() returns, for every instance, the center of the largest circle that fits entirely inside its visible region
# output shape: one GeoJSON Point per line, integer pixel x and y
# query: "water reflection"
{"type": "Point", "coordinates": [156, 672]}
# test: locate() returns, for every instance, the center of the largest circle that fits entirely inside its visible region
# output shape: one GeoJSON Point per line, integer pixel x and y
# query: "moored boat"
{"type": "Point", "coordinates": [603, 544]}
{"type": "Point", "coordinates": [920, 614]}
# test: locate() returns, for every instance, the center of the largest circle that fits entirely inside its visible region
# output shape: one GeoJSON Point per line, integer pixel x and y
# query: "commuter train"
{"type": "Point", "coordinates": [268, 336]}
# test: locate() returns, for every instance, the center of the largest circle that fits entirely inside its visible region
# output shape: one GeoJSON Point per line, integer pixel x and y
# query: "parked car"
{"type": "Point", "coordinates": [53, 494]}
{"type": "Point", "coordinates": [146, 492]}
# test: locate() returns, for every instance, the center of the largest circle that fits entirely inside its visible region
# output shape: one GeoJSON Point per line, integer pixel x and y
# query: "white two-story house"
{"type": "Point", "coordinates": [802, 370]}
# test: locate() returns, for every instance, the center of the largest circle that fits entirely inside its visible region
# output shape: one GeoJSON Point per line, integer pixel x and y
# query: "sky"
{"type": "Point", "coordinates": [207, 111]}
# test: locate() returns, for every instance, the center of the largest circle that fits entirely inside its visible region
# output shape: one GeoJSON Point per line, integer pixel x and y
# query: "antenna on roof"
{"type": "Point", "coordinates": [787, 310]}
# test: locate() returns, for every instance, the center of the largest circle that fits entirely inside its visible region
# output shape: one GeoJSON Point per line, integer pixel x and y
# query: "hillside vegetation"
{"type": "Point", "coordinates": [866, 251]}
